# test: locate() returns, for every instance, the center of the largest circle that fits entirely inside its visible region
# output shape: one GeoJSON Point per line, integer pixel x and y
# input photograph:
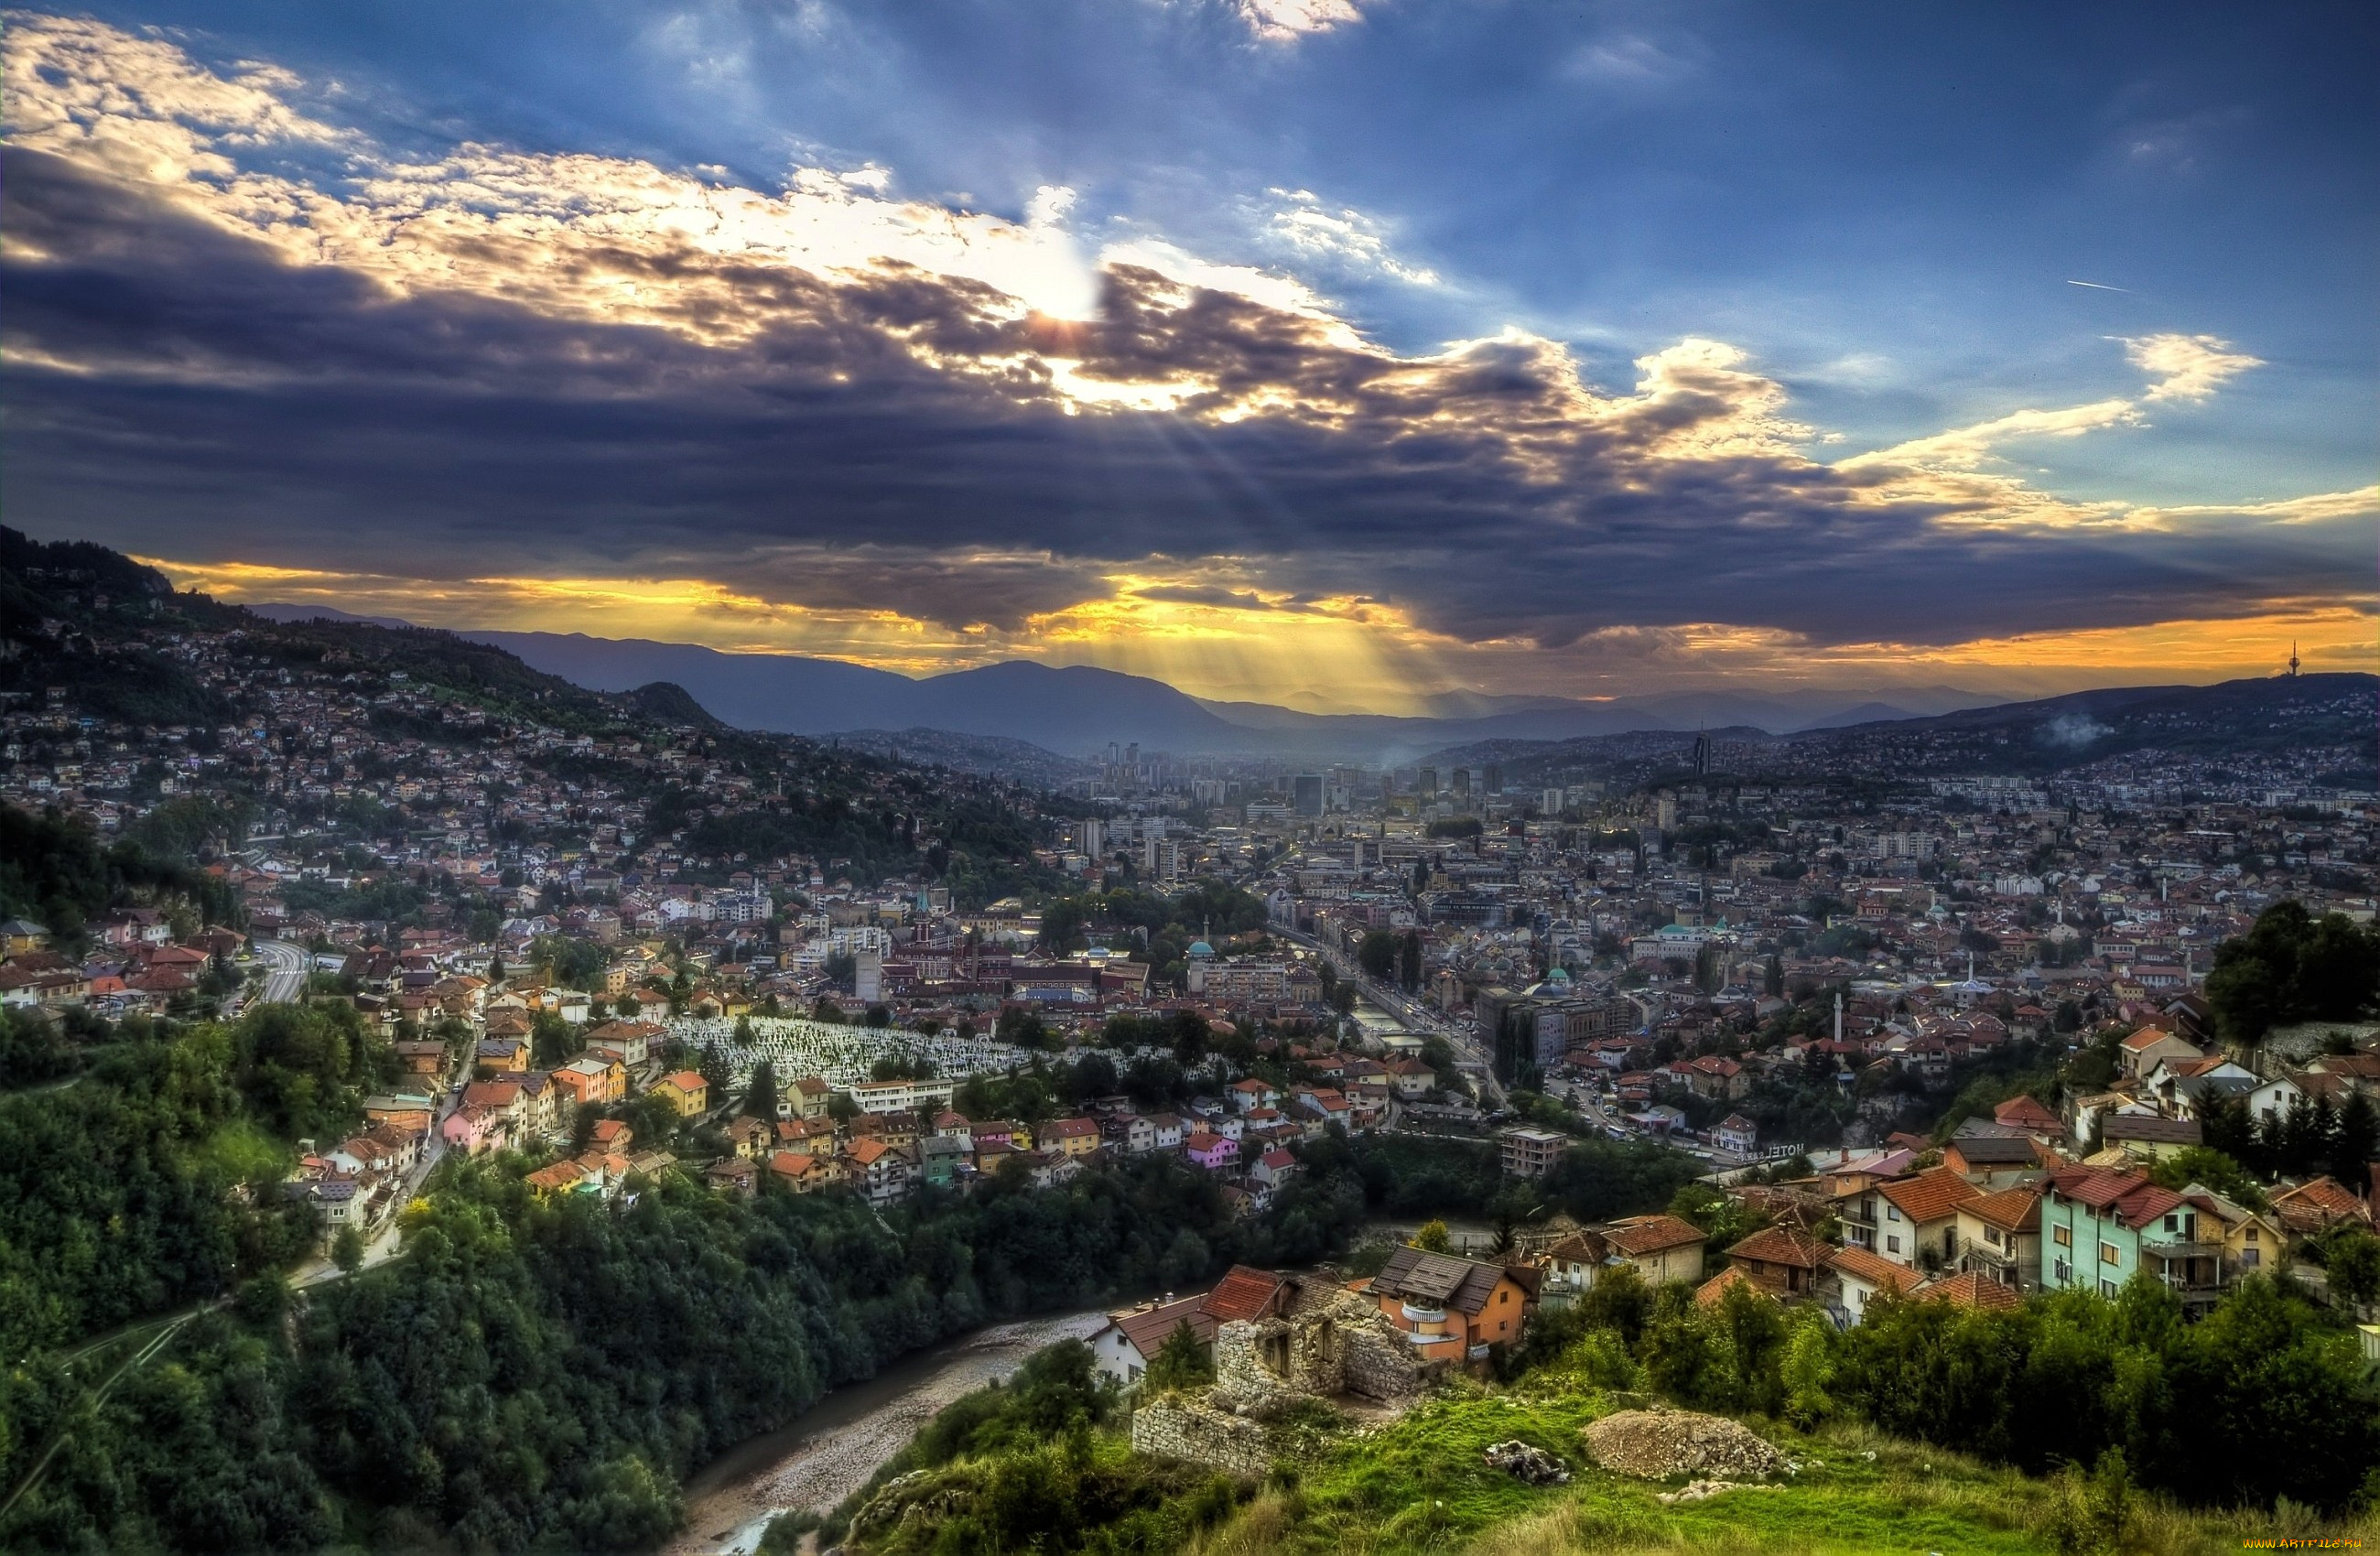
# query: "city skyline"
{"type": "Point", "coordinates": [1296, 350]}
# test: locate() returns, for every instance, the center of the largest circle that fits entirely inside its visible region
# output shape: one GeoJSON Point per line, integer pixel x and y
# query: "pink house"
{"type": "Point", "coordinates": [1213, 1152]}
{"type": "Point", "coordinates": [473, 1129]}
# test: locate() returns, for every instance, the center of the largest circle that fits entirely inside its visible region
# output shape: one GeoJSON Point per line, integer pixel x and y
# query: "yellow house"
{"type": "Point", "coordinates": [1070, 1137]}
{"type": "Point", "coordinates": [686, 1091]}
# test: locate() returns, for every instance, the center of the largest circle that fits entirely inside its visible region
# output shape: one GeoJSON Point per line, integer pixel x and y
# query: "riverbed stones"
{"type": "Point", "coordinates": [1656, 1444]}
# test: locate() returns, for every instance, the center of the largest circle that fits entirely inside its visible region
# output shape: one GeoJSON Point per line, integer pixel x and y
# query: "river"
{"type": "Point", "coordinates": [829, 1449]}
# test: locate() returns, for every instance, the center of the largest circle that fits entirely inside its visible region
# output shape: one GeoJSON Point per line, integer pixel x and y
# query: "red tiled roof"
{"type": "Point", "coordinates": [1713, 1292]}
{"type": "Point", "coordinates": [1931, 1195]}
{"type": "Point", "coordinates": [1242, 1294]}
{"type": "Point", "coordinates": [1778, 1245]}
{"type": "Point", "coordinates": [1648, 1234]}
{"type": "Point", "coordinates": [1874, 1268]}
{"type": "Point", "coordinates": [2011, 1210]}
{"type": "Point", "coordinates": [1972, 1290]}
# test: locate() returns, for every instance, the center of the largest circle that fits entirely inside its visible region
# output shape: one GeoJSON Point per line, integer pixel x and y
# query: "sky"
{"type": "Point", "coordinates": [1331, 352]}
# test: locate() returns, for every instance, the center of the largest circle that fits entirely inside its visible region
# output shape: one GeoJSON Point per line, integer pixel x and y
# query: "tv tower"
{"type": "Point", "coordinates": [2293, 658]}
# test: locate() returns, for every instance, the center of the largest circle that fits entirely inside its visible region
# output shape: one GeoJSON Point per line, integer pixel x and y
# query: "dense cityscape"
{"type": "Point", "coordinates": [1808, 1041]}
{"type": "Point", "coordinates": [1188, 778]}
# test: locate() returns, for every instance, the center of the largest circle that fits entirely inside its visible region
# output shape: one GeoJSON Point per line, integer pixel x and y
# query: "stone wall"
{"type": "Point", "coordinates": [1179, 1427]}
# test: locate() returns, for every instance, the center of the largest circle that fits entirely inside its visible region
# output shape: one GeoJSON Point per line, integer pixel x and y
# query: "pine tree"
{"type": "Point", "coordinates": [2354, 1140]}
{"type": "Point", "coordinates": [760, 1100]}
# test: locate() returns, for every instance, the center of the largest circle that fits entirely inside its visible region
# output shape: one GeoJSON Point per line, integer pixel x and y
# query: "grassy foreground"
{"type": "Point", "coordinates": [1419, 1485]}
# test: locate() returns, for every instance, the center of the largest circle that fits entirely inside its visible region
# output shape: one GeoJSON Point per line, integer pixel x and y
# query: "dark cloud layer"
{"type": "Point", "coordinates": [898, 440]}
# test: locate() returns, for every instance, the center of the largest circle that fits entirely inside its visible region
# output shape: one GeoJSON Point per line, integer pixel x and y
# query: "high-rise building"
{"type": "Point", "coordinates": [1462, 783]}
{"type": "Point", "coordinates": [1307, 794]}
{"type": "Point", "coordinates": [1495, 781]}
{"type": "Point", "coordinates": [1426, 784]}
{"type": "Point", "coordinates": [1094, 836]}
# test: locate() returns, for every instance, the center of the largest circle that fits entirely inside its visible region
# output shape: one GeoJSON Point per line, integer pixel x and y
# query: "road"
{"type": "Point", "coordinates": [286, 970]}
{"type": "Point", "coordinates": [1416, 1013]}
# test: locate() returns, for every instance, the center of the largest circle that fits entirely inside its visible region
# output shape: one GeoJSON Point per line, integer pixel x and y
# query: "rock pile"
{"type": "Point", "coordinates": [1525, 1463]}
{"type": "Point", "coordinates": [1656, 1444]}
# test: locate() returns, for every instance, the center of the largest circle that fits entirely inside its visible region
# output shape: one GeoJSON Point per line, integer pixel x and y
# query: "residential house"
{"type": "Point", "coordinates": [2149, 1137]}
{"type": "Point", "coordinates": [1919, 1225]}
{"type": "Point", "coordinates": [734, 1175]}
{"type": "Point", "coordinates": [502, 1056]}
{"type": "Point", "coordinates": [1662, 1248]}
{"type": "Point", "coordinates": [1999, 1236]}
{"type": "Point", "coordinates": [2141, 1053]}
{"type": "Point", "coordinates": [1862, 1277]}
{"type": "Point", "coordinates": [1992, 1162]}
{"type": "Point", "coordinates": [686, 1091]}
{"type": "Point", "coordinates": [1246, 1096]}
{"type": "Point", "coordinates": [878, 1170]}
{"type": "Point", "coordinates": [1451, 1308]}
{"type": "Point", "coordinates": [591, 1082]}
{"type": "Point", "coordinates": [1273, 1169]}
{"type": "Point", "coordinates": [1133, 1336]}
{"type": "Point", "coordinates": [2317, 1205]}
{"type": "Point", "coordinates": [802, 1173]}
{"type": "Point", "coordinates": [1212, 1153]}
{"type": "Point", "coordinates": [1781, 1260]}
{"type": "Point", "coordinates": [1736, 1135]}
{"type": "Point", "coordinates": [2099, 1228]}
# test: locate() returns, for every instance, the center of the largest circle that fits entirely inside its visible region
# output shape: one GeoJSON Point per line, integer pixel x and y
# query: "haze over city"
{"type": "Point", "coordinates": [1329, 353]}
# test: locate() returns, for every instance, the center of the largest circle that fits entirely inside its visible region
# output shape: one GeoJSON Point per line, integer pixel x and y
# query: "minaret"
{"type": "Point", "coordinates": [1839, 1015]}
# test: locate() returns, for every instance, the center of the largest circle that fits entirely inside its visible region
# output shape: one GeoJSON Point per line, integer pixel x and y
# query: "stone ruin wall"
{"type": "Point", "coordinates": [1337, 1345]}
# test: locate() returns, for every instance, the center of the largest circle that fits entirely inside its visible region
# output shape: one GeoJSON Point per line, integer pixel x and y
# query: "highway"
{"type": "Point", "coordinates": [286, 970]}
{"type": "Point", "coordinates": [1416, 1013]}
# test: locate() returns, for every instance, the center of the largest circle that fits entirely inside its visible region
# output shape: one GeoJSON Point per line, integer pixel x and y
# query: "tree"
{"type": "Point", "coordinates": [760, 1100]}
{"type": "Point", "coordinates": [348, 1249]}
{"type": "Point", "coordinates": [1432, 1238]}
{"type": "Point", "coordinates": [1409, 960]}
{"type": "Point", "coordinates": [1180, 1362]}
{"type": "Point", "coordinates": [2354, 1141]}
{"type": "Point", "coordinates": [1377, 956]}
{"type": "Point", "coordinates": [2351, 1260]}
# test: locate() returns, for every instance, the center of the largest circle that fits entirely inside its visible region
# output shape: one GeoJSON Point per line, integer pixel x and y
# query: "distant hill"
{"type": "Point", "coordinates": [1073, 710]}
{"type": "Point", "coordinates": [1078, 709]}
{"type": "Point", "coordinates": [2305, 712]}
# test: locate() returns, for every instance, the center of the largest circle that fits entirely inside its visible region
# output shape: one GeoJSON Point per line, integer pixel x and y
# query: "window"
{"type": "Point", "coordinates": [2110, 1254]}
{"type": "Point", "coordinates": [2107, 1289]}
{"type": "Point", "coordinates": [1503, 1297]}
{"type": "Point", "coordinates": [2251, 1257]}
{"type": "Point", "coordinates": [2252, 1235]}
{"type": "Point", "coordinates": [2173, 1223]}
{"type": "Point", "coordinates": [1892, 1245]}
{"type": "Point", "coordinates": [1892, 1212]}
{"type": "Point", "coordinates": [2063, 1237]}
{"type": "Point", "coordinates": [1992, 1235]}
{"type": "Point", "coordinates": [2065, 1271]}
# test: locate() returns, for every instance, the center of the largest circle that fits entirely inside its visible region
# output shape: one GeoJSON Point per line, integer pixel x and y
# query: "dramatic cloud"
{"type": "Point", "coordinates": [1285, 21]}
{"type": "Point", "coordinates": [2186, 367]}
{"type": "Point", "coordinates": [828, 418]}
{"type": "Point", "coordinates": [1344, 235]}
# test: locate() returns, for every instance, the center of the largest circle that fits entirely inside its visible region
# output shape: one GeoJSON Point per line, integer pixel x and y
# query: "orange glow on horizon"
{"type": "Point", "coordinates": [1242, 641]}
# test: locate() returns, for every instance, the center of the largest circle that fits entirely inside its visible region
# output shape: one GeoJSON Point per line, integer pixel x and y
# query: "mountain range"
{"type": "Point", "coordinates": [1078, 709]}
